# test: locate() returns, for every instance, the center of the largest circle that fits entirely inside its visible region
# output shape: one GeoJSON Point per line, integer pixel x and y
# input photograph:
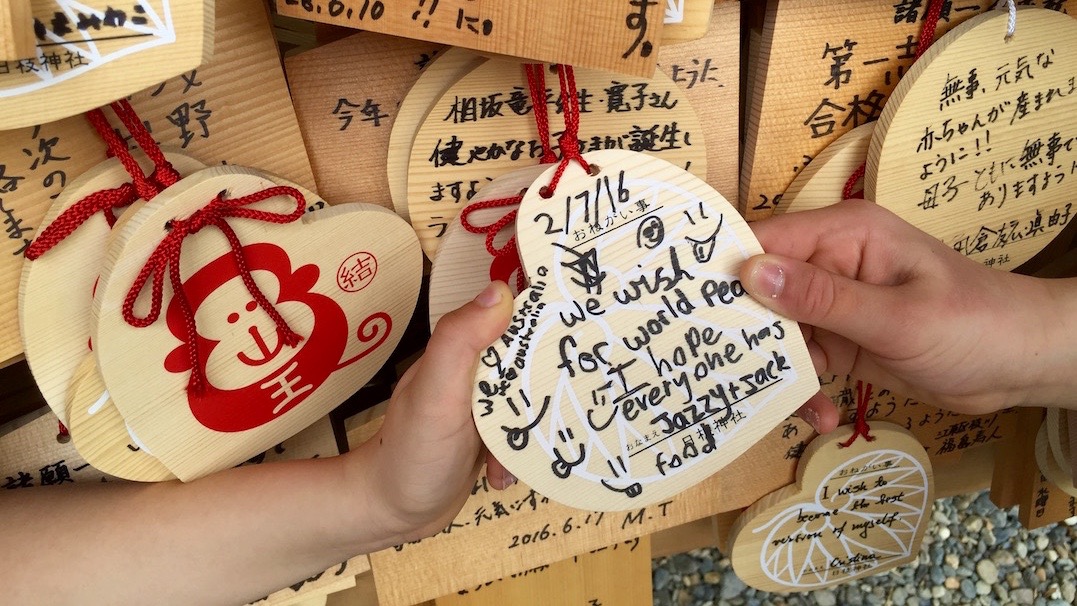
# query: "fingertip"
{"type": "Point", "coordinates": [497, 476]}
{"type": "Point", "coordinates": [493, 294]}
{"type": "Point", "coordinates": [819, 411]}
{"type": "Point", "coordinates": [763, 276]}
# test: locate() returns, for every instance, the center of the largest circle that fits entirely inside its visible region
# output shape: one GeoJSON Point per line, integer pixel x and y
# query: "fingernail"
{"type": "Point", "coordinates": [490, 296]}
{"type": "Point", "coordinates": [810, 416]}
{"type": "Point", "coordinates": [507, 479]}
{"type": "Point", "coordinates": [767, 279]}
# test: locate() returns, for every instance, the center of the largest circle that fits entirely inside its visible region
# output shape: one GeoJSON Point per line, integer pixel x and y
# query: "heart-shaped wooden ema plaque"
{"type": "Point", "coordinates": [853, 511]}
{"type": "Point", "coordinates": [100, 434]}
{"type": "Point", "coordinates": [635, 364]}
{"type": "Point", "coordinates": [463, 266]}
{"type": "Point", "coordinates": [345, 278]}
{"type": "Point", "coordinates": [976, 145]}
{"type": "Point", "coordinates": [1056, 469]}
{"type": "Point", "coordinates": [108, 51]}
{"type": "Point", "coordinates": [55, 291]}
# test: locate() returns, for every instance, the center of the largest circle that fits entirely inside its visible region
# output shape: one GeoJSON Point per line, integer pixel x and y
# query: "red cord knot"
{"type": "Point", "coordinates": [506, 258]}
{"type": "Point", "coordinates": [104, 201]}
{"type": "Point", "coordinates": [861, 428]}
{"type": "Point", "coordinates": [166, 258]}
{"type": "Point", "coordinates": [569, 141]}
{"type": "Point", "coordinates": [164, 174]}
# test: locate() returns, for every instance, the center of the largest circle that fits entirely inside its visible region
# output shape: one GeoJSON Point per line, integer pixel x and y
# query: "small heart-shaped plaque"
{"type": "Point", "coordinates": [345, 278]}
{"type": "Point", "coordinates": [635, 364]}
{"type": "Point", "coordinates": [854, 511]}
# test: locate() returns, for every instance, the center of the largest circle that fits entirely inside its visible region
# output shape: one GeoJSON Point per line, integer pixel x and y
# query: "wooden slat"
{"type": "Point", "coordinates": [622, 36]}
{"type": "Point", "coordinates": [16, 30]}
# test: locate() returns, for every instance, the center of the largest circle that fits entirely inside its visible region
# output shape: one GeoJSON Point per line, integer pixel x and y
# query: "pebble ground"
{"type": "Point", "coordinates": [973, 553]}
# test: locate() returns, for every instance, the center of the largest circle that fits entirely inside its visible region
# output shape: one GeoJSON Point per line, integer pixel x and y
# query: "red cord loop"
{"type": "Point", "coordinates": [861, 428]}
{"type": "Point", "coordinates": [106, 201]}
{"type": "Point", "coordinates": [507, 259]}
{"type": "Point", "coordinates": [927, 30]}
{"type": "Point", "coordinates": [166, 258]}
{"type": "Point", "coordinates": [507, 254]}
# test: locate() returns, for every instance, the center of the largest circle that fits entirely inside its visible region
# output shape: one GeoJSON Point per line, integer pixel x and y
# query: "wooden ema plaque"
{"type": "Point", "coordinates": [974, 146]}
{"type": "Point", "coordinates": [442, 72]}
{"type": "Point", "coordinates": [205, 113]}
{"type": "Point", "coordinates": [349, 299]}
{"type": "Point", "coordinates": [708, 71]}
{"type": "Point", "coordinates": [622, 36]}
{"type": "Point", "coordinates": [686, 20]}
{"type": "Point", "coordinates": [83, 59]}
{"type": "Point", "coordinates": [1052, 452]}
{"type": "Point", "coordinates": [853, 512]}
{"type": "Point", "coordinates": [618, 574]}
{"type": "Point", "coordinates": [944, 434]}
{"type": "Point", "coordinates": [820, 184]}
{"type": "Point", "coordinates": [824, 68]}
{"type": "Point", "coordinates": [347, 95]}
{"type": "Point", "coordinates": [634, 345]}
{"type": "Point", "coordinates": [31, 455]}
{"type": "Point", "coordinates": [463, 266]}
{"type": "Point", "coordinates": [484, 126]}
{"type": "Point", "coordinates": [56, 290]}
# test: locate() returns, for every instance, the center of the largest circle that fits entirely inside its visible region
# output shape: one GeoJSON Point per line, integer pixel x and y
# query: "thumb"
{"type": "Point", "coordinates": [448, 366]}
{"type": "Point", "coordinates": [806, 293]}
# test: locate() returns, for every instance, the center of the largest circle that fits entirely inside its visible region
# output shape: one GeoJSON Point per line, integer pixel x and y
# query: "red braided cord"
{"type": "Point", "coordinates": [536, 83]}
{"type": "Point", "coordinates": [166, 257]}
{"type": "Point", "coordinates": [507, 253]}
{"type": "Point", "coordinates": [145, 187]}
{"type": "Point", "coordinates": [507, 257]}
{"type": "Point", "coordinates": [118, 197]}
{"type": "Point", "coordinates": [77, 214]}
{"type": "Point", "coordinates": [569, 140]}
{"type": "Point", "coordinates": [927, 38]}
{"type": "Point", "coordinates": [861, 429]}
{"type": "Point", "coordinates": [927, 30]}
{"type": "Point", "coordinates": [163, 172]}
{"type": "Point", "coordinates": [492, 229]}
{"type": "Point", "coordinates": [849, 191]}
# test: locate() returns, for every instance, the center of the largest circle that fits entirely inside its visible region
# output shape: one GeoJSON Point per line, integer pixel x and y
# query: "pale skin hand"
{"type": "Point", "coordinates": [243, 533]}
{"type": "Point", "coordinates": [886, 303]}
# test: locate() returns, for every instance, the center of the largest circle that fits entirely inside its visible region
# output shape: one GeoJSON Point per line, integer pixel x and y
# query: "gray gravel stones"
{"type": "Point", "coordinates": [972, 554]}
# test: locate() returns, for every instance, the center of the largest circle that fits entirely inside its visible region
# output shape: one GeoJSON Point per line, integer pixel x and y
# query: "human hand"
{"type": "Point", "coordinates": [423, 461]}
{"type": "Point", "coordinates": [886, 303]}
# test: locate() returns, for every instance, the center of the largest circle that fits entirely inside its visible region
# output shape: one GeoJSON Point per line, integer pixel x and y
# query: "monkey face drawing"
{"type": "Point", "coordinates": [252, 377]}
